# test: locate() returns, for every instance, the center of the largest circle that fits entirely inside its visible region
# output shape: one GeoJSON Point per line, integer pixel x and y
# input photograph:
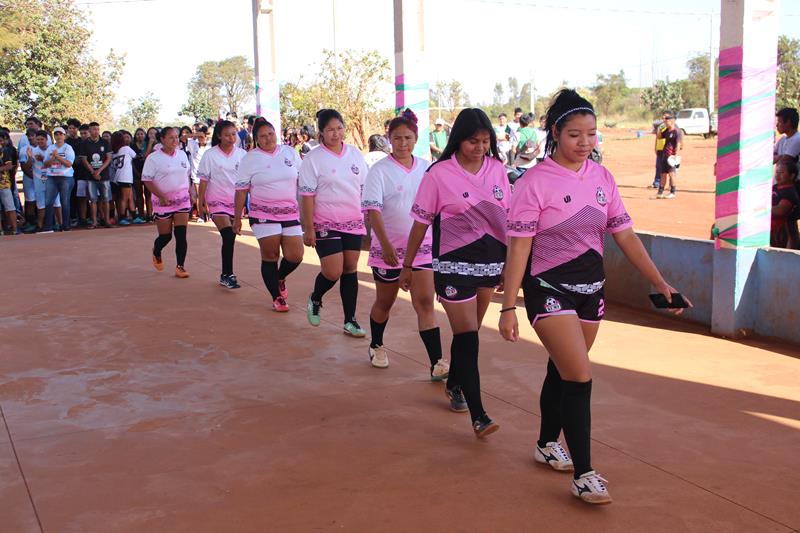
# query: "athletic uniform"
{"type": "Point", "coordinates": [169, 173]}
{"type": "Point", "coordinates": [390, 189]}
{"type": "Point", "coordinates": [122, 163]}
{"type": "Point", "coordinates": [468, 213]}
{"type": "Point", "coordinates": [567, 213]}
{"type": "Point", "coordinates": [271, 178]}
{"type": "Point", "coordinates": [335, 180]}
{"type": "Point", "coordinates": [220, 171]}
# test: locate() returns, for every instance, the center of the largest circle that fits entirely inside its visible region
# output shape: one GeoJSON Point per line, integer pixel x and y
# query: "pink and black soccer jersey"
{"type": "Point", "coordinates": [220, 171]}
{"type": "Point", "coordinates": [391, 189]}
{"type": "Point", "coordinates": [567, 213]}
{"type": "Point", "coordinates": [170, 173]}
{"type": "Point", "coordinates": [271, 178]}
{"type": "Point", "coordinates": [335, 180]}
{"type": "Point", "coordinates": [468, 213]}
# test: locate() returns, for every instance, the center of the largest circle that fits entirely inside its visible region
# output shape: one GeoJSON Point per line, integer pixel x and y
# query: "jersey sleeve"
{"type": "Point", "coordinates": [307, 179]}
{"type": "Point", "coordinates": [426, 203]}
{"type": "Point", "coordinates": [149, 169]}
{"type": "Point", "coordinates": [69, 154]}
{"type": "Point", "coordinates": [618, 217]}
{"type": "Point", "coordinates": [204, 168]}
{"type": "Point", "coordinates": [372, 198]}
{"type": "Point", "coordinates": [523, 214]}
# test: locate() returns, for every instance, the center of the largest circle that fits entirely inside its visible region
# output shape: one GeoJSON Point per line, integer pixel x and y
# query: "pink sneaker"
{"type": "Point", "coordinates": [280, 305]}
{"type": "Point", "coordinates": [282, 289]}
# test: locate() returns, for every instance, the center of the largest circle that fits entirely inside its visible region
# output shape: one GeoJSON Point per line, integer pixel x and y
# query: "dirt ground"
{"type": "Point", "coordinates": [632, 161]}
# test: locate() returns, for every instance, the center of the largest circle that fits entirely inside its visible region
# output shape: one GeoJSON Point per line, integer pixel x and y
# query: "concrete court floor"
{"type": "Point", "coordinates": [135, 401]}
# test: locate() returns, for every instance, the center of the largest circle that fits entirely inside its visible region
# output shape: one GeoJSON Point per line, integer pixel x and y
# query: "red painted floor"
{"type": "Point", "coordinates": [136, 401]}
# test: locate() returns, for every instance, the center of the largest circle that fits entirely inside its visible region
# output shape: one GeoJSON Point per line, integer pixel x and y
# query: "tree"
{"type": "Point", "coordinates": [499, 94]}
{"type": "Point", "coordinates": [49, 70]}
{"type": "Point", "coordinates": [142, 113]}
{"type": "Point", "coordinates": [663, 95]}
{"type": "Point", "coordinates": [609, 93]}
{"type": "Point", "coordinates": [449, 95]}
{"type": "Point", "coordinates": [788, 87]}
{"type": "Point", "coordinates": [513, 91]}
{"type": "Point", "coordinates": [218, 85]}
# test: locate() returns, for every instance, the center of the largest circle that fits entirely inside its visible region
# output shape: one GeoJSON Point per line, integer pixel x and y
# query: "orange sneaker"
{"type": "Point", "coordinates": [180, 272]}
{"type": "Point", "coordinates": [158, 263]}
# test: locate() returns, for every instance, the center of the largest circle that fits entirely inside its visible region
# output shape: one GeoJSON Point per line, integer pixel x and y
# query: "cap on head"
{"type": "Point", "coordinates": [59, 130]}
{"type": "Point", "coordinates": [439, 122]}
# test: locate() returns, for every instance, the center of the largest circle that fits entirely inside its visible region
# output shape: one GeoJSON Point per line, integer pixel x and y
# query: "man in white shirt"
{"type": "Point", "coordinates": [514, 124]}
{"type": "Point", "coordinates": [786, 121]}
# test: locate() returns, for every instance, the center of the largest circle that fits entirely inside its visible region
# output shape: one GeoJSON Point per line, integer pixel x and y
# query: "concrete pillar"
{"type": "Point", "coordinates": [747, 70]}
{"type": "Point", "coordinates": [411, 81]}
{"type": "Point", "coordinates": [267, 89]}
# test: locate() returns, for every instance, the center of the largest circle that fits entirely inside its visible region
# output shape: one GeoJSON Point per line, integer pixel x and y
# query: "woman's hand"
{"type": "Point", "coordinates": [390, 255]}
{"type": "Point", "coordinates": [501, 285]}
{"type": "Point", "coordinates": [237, 226]}
{"type": "Point", "coordinates": [405, 278]}
{"type": "Point", "coordinates": [309, 238]}
{"type": "Point", "coordinates": [665, 289]}
{"type": "Point", "coordinates": [509, 326]}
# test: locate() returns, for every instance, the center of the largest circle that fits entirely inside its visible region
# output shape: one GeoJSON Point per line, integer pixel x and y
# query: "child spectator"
{"type": "Point", "coordinates": [784, 202]}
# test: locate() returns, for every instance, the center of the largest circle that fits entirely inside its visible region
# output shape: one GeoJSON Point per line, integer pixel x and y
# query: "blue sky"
{"type": "Point", "coordinates": [478, 42]}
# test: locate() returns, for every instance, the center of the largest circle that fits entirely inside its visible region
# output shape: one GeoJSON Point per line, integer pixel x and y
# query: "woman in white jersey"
{"type": "Point", "coordinates": [389, 194]}
{"type": "Point", "coordinates": [166, 174]}
{"type": "Point", "coordinates": [198, 146]}
{"type": "Point", "coordinates": [122, 162]}
{"type": "Point", "coordinates": [218, 172]}
{"type": "Point", "coordinates": [331, 179]}
{"type": "Point", "coordinates": [269, 174]}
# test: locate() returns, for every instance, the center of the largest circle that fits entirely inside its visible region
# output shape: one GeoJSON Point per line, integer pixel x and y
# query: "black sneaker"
{"type": "Point", "coordinates": [484, 426]}
{"type": "Point", "coordinates": [458, 403]}
{"type": "Point", "coordinates": [229, 281]}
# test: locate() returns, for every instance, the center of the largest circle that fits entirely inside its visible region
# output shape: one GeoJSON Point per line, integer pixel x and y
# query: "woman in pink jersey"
{"type": "Point", "coordinates": [389, 193]}
{"type": "Point", "coordinates": [560, 212]}
{"type": "Point", "coordinates": [165, 174]}
{"type": "Point", "coordinates": [269, 174]}
{"type": "Point", "coordinates": [330, 183]}
{"type": "Point", "coordinates": [464, 196]}
{"type": "Point", "coordinates": [218, 173]}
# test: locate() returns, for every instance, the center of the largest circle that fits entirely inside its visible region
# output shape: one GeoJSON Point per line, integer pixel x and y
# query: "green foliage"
{"type": "Point", "coordinates": [48, 70]}
{"type": "Point", "coordinates": [449, 95]}
{"type": "Point", "coordinates": [788, 88]}
{"type": "Point", "coordinates": [349, 82]}
{"type": "Point", "coordinates": [219, 86]}
{"type": "Point", "coordinates": [141, 113]}
{"type": "Point", "coordinates": [664, 95]}
{"type": "Point", "coordinates": [610, 93]}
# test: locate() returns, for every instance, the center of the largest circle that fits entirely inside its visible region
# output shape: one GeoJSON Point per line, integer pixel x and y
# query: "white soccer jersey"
{"type": "Point", "coordinates": [170, 173]}
{"type": "Point", "coordinates": [271, 178]}
{"type": "Point", "coordinates": [221, 171]}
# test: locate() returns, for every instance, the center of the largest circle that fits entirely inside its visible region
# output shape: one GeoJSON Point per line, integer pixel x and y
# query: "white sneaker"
{"type": "Point", "coordinates": [591, 488]}
{"type": "Point", "coordinates": [670, 196]}
{"type": "Point", "coordinates": [378, 357]}
{"type": "Point", "coordinates": [660, 196]}
{"type": "Point", "coordinates": [555, 455]}
{"type": "Point", "coordinates": [440, 370]}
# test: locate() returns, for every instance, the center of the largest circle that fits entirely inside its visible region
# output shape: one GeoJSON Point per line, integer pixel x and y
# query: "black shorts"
{"type": "Point", "coordinates": [125, 185]}
{"type": "Point", "coordinates": [165, 216]}
{"type": "Point", "coordinates": [392, 275]}
{"type": "Point", "coordinates": [447, 291]}
{"type": "Point", "coordinates": [331, 242]}
{"type": "Point", "coordinates": [543, 299]}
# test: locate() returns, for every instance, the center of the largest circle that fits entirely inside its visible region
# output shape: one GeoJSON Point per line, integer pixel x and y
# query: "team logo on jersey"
{"type": "Point", "coordinates": [567, 199]}
{"type": "Point", "coordinates": [450, 291]}
{"type": "Point", "coordinates": [466, 195]}
{"type": "Point", "coordinates": [183, 164]}
{"type": "Point", "coordinates": [355, 170]}
{"type": "Point", "coordinates": [551, 305]}
{"type": "Point", "coordinates": [287, 162]}
{"type": "Point", "coordinates": [498, 192]}
{"type": "Point", "coordinates": [601, 196]}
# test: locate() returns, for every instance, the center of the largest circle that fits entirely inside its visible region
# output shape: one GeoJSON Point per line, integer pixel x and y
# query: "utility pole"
{"type": "Point", "coordinates": [711, 69]}
{"type": "Point", "coordinates": [267, 89]}
{"type": "Point", "coordinates": [410, 77]}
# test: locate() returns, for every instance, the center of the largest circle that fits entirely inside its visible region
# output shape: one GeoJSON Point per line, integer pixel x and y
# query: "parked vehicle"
{"type": "Point", "coordinates": [696, 121]}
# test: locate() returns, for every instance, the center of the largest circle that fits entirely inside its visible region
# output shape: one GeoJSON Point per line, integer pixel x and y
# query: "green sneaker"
{"type": "Point", "coordinates": [312, 311]}
{"type": "Point", "coordinates": [353, 329]}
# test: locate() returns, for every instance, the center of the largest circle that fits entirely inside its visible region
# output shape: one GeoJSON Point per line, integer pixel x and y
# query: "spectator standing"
{"type": "Point", "coordinates": [38, 156]}
{"type": "Point", "coordinates": [527, 148]}
{"type": "Point", "coordinates": [122, 162]}
{"type": "Point", "coordinates": [784, 203]}
{"type": "Point", "coordinates": [307, 140]}
{"type": "Point", "coordinates": [7, 165]}
{"type": "Point", "coordinates": [786, 121]}
{"type": "Point", "coordinates": [58, 161]}
{"type": "Point", "coordinates": [504, 138]}
{"type": "Point", "coordinates": [28, 187]}
{"type": "Point", "coordinates": [670, 157]}
{"type": "Point", "coordinates": [515, 124]}
{"type": "Point", "coordinates": [74, 140]}
{"type": "Point", "coordinates": [378, 149]}
{"type": "Point", "coordinates": [95, 156]}
{"type": "Point", "coordinates": [438, 138]}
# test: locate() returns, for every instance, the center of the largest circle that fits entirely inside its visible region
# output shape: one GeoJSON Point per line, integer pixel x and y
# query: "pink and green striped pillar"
{"type": "Point", "coordinates": [410, 81]}
{"type": "Point", "coordinates": [747, 70]}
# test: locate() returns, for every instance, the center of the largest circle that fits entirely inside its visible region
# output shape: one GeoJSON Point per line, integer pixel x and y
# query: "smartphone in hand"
{"type": "Point", "coordinates": [660, 301]}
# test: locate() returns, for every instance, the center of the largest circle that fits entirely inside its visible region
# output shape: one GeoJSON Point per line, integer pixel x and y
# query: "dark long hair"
{"type": "Point", "coordinates": [559, 113]}
{"type": "Point", "coordinates": [470, 121]}
{"type": "Point", "coordinates": [326, 115]}
{"type": "Point", "coordinates": [218, 129]}
{"type": "Point", "coordinates": [117, 141]}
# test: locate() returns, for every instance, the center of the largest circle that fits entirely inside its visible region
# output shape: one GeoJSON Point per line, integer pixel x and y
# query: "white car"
{"type": "Point", "coordinates": [696, 121]}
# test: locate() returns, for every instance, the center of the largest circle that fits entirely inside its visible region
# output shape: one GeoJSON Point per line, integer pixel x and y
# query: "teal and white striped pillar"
{"type": "Point", "coordinates": [410, 81]}
{"type": "Point", "coordinates": [267, 89]}
{"type": "Point", "coordinates": [747, 73]}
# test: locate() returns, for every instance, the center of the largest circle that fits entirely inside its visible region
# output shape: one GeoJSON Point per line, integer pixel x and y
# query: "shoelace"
{"type": "Point", "coordinates": [355, 324]}
{"type": "Point", "coordinates": [280, 301]}
{"type": "Point", "coordinates": [598, 481]}
{"type": "Point", "coordinates": [559, 451]}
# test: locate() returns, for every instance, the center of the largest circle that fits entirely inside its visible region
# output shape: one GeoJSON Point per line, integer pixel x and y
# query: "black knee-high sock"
{"type": "Point", "coordinates": [465, 351]}
{"type": "Point", "coordinates": [433, 344]}
{"type": "Point", "coordinates": [269, 273]}
{"type": "Point", "coordinates": [161, 241]}
{"type": "Point", "coordinates": [550, 405]}
{"type": "Point", "coordinates": [321, 286]}
{"type": "Point", "coordinates": [454, 377]}
{"type": "Point", "coordinates": [181, 246]}
{"type": "Point", "coordinates": [376, 331]}
{"type": "Point", "coordinates": [577, 420]}
{"type": "Point", "coordinates": [348, 288]}
{"type": "Point", "coordinates": [286, 268]}
{"type": "Point", "coordinates": [228, 240]}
